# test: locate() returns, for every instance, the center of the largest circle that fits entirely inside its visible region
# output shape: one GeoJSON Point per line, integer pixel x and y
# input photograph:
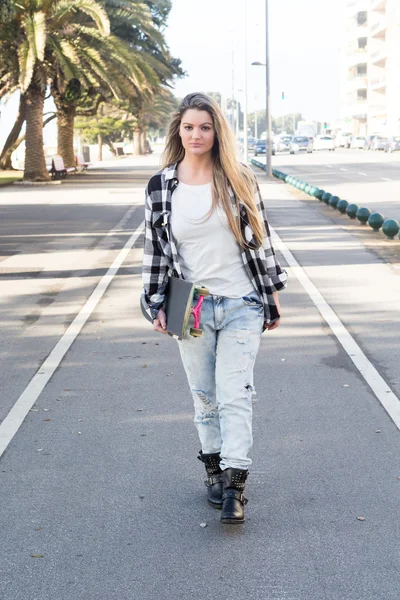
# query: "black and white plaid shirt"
{"type": "Point", "coordinates": [161, 255]}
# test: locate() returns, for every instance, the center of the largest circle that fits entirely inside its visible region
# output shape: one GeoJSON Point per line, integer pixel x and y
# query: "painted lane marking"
{"type": "Point", "coordinates": [363, 174]}
{"type": "Point", "coordinates": [344, 169]}
{"type": "Point", "coordinates": [27, 399]}
{"type": "Point", "coordinates": [378, 385]}
{"type": "Point", "coordinates": [386, 179]}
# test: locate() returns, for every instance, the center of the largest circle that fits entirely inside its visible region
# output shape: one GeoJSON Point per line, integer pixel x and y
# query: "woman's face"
{"type": "Point", "coordinates": [197, 132]}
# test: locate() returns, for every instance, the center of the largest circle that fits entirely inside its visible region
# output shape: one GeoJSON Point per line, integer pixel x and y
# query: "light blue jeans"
{"type": "Point", "coordinates": [219, 367]}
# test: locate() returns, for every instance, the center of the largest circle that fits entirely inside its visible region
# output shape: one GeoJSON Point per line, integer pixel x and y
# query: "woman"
{"type": "Point", "coordinates": [206, 222]}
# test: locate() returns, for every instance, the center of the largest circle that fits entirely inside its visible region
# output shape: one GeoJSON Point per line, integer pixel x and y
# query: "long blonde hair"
{"type": "Point", "coordinates": [227, 170]}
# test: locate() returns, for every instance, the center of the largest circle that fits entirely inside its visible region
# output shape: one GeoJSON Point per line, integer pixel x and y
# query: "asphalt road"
{"type": "Point", "coordinates": [370, 179]}
{"type": "Point", "coordinates": [101, 493]}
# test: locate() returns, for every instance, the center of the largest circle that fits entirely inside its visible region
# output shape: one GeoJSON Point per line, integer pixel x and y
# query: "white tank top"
{"type": "Point", "coordinates": [208, 252]}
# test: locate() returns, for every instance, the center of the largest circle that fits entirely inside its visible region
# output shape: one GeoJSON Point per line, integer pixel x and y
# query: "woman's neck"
{"type": "Point", "coordinates": [195, 169]}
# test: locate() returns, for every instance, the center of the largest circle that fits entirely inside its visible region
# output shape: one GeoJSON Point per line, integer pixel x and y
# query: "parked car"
{"type": "Point", "coordinates": [250, 142]}
{"type": "Point", "coordinates": [282, 143]}
{"type": "Point", "coordinates": [392, 144]}
{"type": "Point", "coordinates": [379, 143]}
{"type": "Point", "coordinates": [358, 142]}
{"type": "Point", "coordinates": [324, 142]}
{"type": "Point", "coordinates": [260, 147]}
{"type": "Point", "coordinates": [300, 144]}
{"type": "Point", "coordinates": [343, 140]}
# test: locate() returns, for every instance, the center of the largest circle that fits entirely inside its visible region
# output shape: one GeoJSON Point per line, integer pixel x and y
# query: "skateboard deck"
{"type": "Point", "coordinates": [179, 307]}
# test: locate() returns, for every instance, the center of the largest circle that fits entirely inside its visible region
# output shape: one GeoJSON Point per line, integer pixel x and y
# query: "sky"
{"type": "Point", "coordinates": [209, 37]}
{"type": "Point", "coordinates": [304, 47]}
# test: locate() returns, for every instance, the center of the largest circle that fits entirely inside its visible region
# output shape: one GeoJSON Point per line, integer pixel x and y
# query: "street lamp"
{"type": "Point", "coordinates": [268, 149]}
{"type": "Point", "coordinates": [245, 140]}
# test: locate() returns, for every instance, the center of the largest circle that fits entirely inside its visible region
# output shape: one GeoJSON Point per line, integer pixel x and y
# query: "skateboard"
{"type": "Point", "coordinates": [179, 307]}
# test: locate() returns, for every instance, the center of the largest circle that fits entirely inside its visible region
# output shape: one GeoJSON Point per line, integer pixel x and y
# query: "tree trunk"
{"type": "Point", "coordinates": [143, 141]}
{"type": "Point", "coordinates": [65, 129]}
{"type": "Point", "coordinates": [100, 143]}
{"type": "Point", "coordinates": [10, 145]}
{"type": "Point", "coordinates": [110, 145]}
{"type": "Point", "coordinates": [35, 163]}
{"type": "Point", "coordinates": [137, 145]}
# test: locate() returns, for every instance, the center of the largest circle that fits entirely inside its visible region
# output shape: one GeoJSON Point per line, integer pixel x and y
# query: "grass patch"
{"type": "Point", "coordinates": [7, 177]}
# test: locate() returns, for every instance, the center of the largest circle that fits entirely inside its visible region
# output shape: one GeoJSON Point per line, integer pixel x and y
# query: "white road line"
{"type": "Point", "coordinates": [378, 385]}
{"type": "Point", "coordinates": [344, 169]}
{"type": "Point", "coordinates": [330, 166]}
{"type": "Point", "coordinates": [386, 179]}
{"type": "Point", "coordinates": [363, 174]}
{"type": "Point", "coordinates": [17, 414]}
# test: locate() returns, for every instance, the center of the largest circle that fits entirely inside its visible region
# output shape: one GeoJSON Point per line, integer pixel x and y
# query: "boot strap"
{"type": "Point", "coordinates": [235, 494]}
{"type": "Point", "coordinates": [213, 479]}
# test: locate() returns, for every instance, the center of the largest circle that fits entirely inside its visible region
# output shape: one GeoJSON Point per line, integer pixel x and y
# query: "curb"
{"type": "Point", "coordinates": [390, 227]}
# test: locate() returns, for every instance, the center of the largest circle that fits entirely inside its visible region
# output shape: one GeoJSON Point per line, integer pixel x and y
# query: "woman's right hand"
{"type": "Point", "coordinates": [160, 322]}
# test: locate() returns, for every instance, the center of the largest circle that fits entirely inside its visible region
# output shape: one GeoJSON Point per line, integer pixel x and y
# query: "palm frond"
{"type": "Point", "coordinates": [39, 23]}
{"type": "Point", "coordinates": [26, 59]}
{"type": "Point", "coordinates": [67, 66]}
{"type": "Point", "coordinates": [64, 8]}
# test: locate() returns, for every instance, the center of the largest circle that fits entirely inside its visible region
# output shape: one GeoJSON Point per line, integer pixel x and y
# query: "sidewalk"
{"type": "Point", "coordinates": [114, 500]}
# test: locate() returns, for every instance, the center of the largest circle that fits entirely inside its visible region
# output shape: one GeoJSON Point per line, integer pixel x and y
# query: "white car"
{"type": "Point", "coordinates": [358, 142]}
{"type": "Point", "coordinates": [324, 142]}
{"type": "Point", "coordinates": [343, 140]}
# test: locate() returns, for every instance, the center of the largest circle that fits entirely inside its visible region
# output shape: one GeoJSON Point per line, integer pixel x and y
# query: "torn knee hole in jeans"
{"type": "Point", "coordinates": [203, 398]}
{"type": "Point", "coordinates": [250, 388]}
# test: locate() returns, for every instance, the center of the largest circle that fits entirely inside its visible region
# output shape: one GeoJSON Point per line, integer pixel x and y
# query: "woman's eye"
{"type": "Point", "coordinates": [206, 128]}
{"type": "Point", "coordinates": [187, 127]}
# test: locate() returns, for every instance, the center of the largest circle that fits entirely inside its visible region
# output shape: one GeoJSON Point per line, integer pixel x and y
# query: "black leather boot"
{"type": "Point", "coordinates": [233, 499]}
{"type": "Point", "coordinates": [214, 479]}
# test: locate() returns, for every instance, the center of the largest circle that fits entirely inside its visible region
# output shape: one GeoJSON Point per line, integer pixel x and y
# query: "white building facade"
{"type": "Point", "coordinates": [371, 90]}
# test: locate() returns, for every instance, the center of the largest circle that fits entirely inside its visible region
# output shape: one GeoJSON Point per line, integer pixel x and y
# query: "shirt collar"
{"type": "Point", "coordinates": [171, 172]}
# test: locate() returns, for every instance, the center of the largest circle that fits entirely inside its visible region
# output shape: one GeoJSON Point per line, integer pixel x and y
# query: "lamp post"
{"type": "Point", "coordinates": [268, 149]}
{"type": "Point", "coordinates": [245, 140]}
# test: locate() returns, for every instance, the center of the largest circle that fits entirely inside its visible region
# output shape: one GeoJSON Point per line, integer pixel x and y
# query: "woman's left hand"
{"type": "Point", "coordinates": [276, 324]}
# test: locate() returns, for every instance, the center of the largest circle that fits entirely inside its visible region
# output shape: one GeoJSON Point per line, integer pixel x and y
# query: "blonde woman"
{"type": "Point", "coordinates": [206, 223]}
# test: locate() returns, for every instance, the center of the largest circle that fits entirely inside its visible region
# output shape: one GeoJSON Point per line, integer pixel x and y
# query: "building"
{"type": "Point", "coordinates": [371, 91]}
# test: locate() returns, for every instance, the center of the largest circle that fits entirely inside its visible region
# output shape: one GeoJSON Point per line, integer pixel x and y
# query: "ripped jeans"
{"type": "Point", "coordinates": [219, 367]}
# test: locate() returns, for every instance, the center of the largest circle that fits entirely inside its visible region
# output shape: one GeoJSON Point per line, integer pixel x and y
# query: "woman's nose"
{"type": "Point", "coordinates": [195, 133]}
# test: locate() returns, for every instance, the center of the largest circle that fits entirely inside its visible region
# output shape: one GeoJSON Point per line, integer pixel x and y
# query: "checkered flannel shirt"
{"type": "Point", "coordinates": [161, 256]}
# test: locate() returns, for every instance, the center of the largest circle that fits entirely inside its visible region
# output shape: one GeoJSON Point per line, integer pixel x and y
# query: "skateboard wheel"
{"type": "Point", "coordinates": [196, 332]}
{"type": "Point", "coordinates": [203, 291]}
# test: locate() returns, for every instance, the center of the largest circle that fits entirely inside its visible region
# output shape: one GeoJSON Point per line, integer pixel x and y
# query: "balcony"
{"type": "Point", "coordinates": [378, 5]}
{"type": "Point", "coordinates": [357, 57]}
{"type": "Point", "coordinates": [377, 110]}
{"type": "Point", "coordinates": [379, 57]}
{"type": "Point", "coordinates": [355, 31]}
{"type": "Point", "coordinates": [360, 82]}
{"type": "Point", "coordinates": [379, 84]}
{"type": "Point", "coordinates": [355, 6]}
{"type": "Point", "coordinates": [378, 29]}
{"type": "Point", "coordinates": [358, 110]}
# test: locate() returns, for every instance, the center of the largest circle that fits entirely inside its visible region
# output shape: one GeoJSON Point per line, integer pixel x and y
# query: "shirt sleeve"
{"type": "Point", "coordinates": [154, 268]}
{"type": "Point", "coordinates": [277, 275]}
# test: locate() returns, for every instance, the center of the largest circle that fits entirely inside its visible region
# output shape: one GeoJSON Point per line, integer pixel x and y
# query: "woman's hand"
{"type": "Point", "coordinates": [273, 325]}
{"type": "Point", "coordinates": [160, 322]}
{"type": "Point", "coordinates": [276, 324]}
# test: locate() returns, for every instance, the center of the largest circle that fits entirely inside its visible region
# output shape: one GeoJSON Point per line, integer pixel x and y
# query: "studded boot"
{"type": "Point", "coordinates": [233, 499]}
{"type": "Point", "coordinates": [214, 478]}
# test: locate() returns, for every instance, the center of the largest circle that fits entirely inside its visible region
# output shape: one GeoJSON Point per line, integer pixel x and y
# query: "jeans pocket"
{"type": "Point", "coordinates": [252, 299]}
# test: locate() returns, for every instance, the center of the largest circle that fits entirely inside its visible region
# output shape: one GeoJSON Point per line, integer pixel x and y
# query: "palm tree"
{"type": "Point", "coordinates": [36, 41]}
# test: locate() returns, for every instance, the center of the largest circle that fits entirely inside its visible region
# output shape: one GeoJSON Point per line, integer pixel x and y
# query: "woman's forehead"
{"type": "Point", "coordinates": [193, 116]}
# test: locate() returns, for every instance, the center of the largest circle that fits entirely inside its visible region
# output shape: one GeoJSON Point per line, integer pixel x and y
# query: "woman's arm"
{"type": "Point", "coordinates": [154, 268]}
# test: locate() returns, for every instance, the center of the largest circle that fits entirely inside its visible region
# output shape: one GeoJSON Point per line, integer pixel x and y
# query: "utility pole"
{"type": "Point", "coordinates": [245, 141]}
{"type": "Point", "coordinates": [268, 151]}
